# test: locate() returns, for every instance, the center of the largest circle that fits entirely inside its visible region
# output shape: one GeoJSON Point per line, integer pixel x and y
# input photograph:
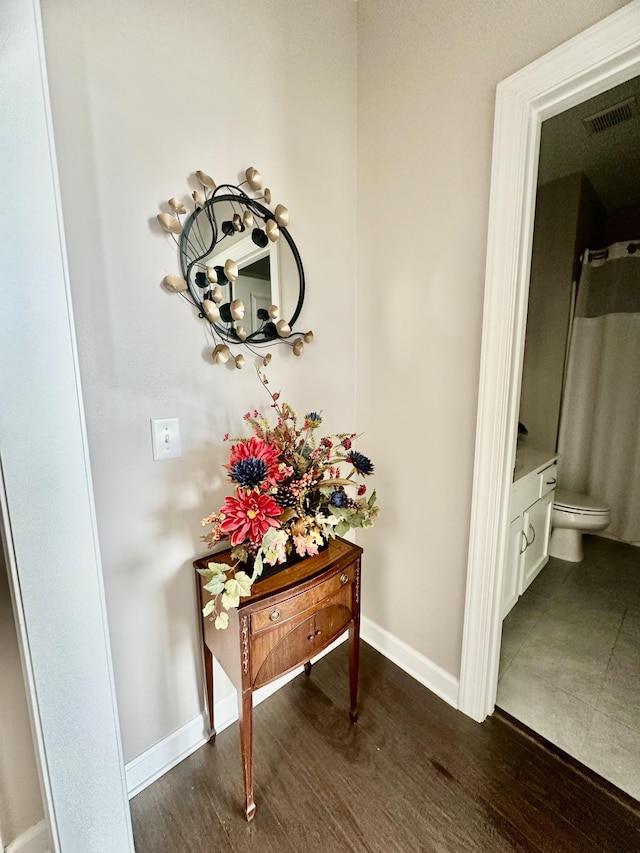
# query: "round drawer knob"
{"type": "Point", "coordinates": [344, 577]}
{"type": "Point", "coordinates": [274, 615]}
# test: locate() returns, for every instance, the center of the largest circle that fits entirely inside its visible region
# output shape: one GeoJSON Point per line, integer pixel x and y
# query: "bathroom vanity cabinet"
{"type": "Point", "coordinates": [530, 507]}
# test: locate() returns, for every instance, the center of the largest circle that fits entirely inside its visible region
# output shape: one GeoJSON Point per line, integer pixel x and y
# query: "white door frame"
{"type": "Point", "coordinates": [46, 497]}
{"type": "Point", "coordinates": [601, 57]}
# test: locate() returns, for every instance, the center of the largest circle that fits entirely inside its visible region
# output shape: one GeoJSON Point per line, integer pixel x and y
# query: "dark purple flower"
{"type": "Point", "coordinates": [338, 498]}
{"type": "Point", "coordinates": [249, 473]}
{"type": "Point", "coordinates": [360, 462]}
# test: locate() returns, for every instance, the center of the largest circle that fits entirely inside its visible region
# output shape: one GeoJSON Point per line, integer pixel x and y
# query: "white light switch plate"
{"type": "Point", "coordinates": [165, 438]}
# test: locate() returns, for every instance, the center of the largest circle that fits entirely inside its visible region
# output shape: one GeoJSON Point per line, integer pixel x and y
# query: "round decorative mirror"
{"type": "Point", "coordinates": [240, 266]}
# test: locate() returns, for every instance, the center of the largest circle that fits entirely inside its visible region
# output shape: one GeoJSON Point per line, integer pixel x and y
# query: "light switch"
{"type": "Point", "coordinates": [165, 438]}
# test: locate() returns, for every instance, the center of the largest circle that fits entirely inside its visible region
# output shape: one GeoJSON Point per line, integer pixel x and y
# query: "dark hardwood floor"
{"type": "Point", "coordinates": [411, 775]}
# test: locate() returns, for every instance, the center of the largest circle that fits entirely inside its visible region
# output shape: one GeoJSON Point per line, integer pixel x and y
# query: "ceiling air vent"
{"type": "Point", "coordinates": [610, 117]}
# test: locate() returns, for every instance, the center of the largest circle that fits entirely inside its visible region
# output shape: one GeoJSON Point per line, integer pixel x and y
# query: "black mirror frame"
{"type": "Point", "coordinates": [267, 333]}
{"type": "Point", "coordinates": [267, 225]}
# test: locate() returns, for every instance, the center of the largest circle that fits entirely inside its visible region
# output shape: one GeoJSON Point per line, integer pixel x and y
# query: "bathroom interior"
{"type": "Point", "coordinates": [571, 594]}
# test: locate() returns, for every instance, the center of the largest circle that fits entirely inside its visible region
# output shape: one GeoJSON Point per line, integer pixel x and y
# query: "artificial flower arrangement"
{"type": "Point", "coordinates": [290, 498]}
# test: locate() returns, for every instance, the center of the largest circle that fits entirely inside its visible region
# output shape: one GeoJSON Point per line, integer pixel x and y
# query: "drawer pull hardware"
{"type": "Point", "coordinates": [552, 482]}
{"type": "Point", "coordinates": [318, 632]}
{"type": "Point", "coordinates": [309, 636]}
{"type": "Point", "coordinates": [533, 535]}
{"type": "Point", "coordinates": [274, 615]}
{"type": "Point", "coordinates": [344, 577]}
{"type": "Point", "coordinates": [526, 542]}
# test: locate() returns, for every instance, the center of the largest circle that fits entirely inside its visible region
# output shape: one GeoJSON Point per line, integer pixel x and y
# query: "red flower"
{"type": "Point", "coordinates": [249, 517]}
{"type": "Point", "coordinates": [361, 490]}
{"type": "Point", "coordinates": [257, 448]}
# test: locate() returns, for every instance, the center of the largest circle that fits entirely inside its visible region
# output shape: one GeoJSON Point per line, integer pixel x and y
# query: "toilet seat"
{"type": "Point", "coordinates": [575, 502]}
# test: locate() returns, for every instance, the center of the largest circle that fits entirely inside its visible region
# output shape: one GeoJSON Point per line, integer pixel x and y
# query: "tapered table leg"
{"type": "Point", "coordinates": [354, 665]}
{"type": "Point", "coordinates": [245, 710]}
{"type": "Point", "coordinates": [208, 677]}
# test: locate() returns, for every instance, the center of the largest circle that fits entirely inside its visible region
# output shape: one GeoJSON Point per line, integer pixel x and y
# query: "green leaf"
{"type": "Point", "coordinates": [338, 511]}
{"type": "Point", "coordinates": [274, 541]}
{"type": "Point", "coordinates": [229, 601]}
{"type": "Point", "coordinates": [206, 573]}
{"type": "Point", "coordinates": [243, 581]}
{"type": "Point", "coordinates": [215, 585]}
{"type": "Point", "coordinates": [222, 620]}
{"type": "Point", "coordinates": [213, 569]}
{"type": "Point", "coordinates": [209, 607]}
{"type": "Point", "coordinates": [268, 538]}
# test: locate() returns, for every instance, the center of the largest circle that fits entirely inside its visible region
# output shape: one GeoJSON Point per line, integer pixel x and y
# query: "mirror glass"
{"type": "Point", "coordinates": [230, 228]}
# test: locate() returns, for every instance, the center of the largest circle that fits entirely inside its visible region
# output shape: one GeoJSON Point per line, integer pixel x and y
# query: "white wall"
{"type": "Point", "coordinates": [426, 93]}
{"type": "Point", "coordinates": [143, 94]}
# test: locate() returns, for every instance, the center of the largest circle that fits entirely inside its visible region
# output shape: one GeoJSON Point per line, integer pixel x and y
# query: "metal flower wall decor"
{"type": "Point", "coordinates": [240, 268]}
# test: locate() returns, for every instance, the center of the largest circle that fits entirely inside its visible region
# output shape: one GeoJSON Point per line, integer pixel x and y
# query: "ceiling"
{"type": "Point", "coordinates": [610, 159]}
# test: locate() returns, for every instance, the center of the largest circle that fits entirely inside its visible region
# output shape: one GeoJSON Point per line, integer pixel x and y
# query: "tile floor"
{"type": "Point", "coordinates": [570, 660]}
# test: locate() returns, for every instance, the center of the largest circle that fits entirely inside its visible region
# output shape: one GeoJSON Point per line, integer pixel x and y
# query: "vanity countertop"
{"type": "Point", "coordinates": [530, 459]}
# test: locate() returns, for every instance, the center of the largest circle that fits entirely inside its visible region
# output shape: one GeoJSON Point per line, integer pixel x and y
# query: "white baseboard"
{"type": "Point", "coordinates": [438, 680]}
{"type": "Point", "coordinates": [158, 759]}
{"type": "Point", "coordinates": [165, 754]}
{"type": "Point", "coordinates": [35, 840]}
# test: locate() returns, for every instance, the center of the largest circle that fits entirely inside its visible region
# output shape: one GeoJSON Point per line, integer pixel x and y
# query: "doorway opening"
{"type": "Point", "coordinates": [571, 638]}
{"type": "Point", "coordinates": [602, 57]}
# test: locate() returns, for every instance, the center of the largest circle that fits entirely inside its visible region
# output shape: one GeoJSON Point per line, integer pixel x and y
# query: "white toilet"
{"type": "Point", "coordinates": [574, 514]}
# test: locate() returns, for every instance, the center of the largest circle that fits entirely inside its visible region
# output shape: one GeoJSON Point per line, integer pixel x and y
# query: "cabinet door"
{"type": "Point", "coordinates": [304, 641]}
{"type": "Point", "coordinates": [513, 567]}
{"type": "Point", "coordinates": [537, 526]}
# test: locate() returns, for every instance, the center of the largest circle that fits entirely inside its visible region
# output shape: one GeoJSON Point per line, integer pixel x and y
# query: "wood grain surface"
{"type": "Point", "coordinates": [412, 775]}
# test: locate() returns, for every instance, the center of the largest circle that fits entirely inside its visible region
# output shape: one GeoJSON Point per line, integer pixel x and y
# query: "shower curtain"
{"type": "Point", "coordinates": [599, 438]}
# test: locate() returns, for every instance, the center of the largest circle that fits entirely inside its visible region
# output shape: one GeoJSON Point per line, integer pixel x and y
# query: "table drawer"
{"type": "Point", "coordinates": [276, 614]}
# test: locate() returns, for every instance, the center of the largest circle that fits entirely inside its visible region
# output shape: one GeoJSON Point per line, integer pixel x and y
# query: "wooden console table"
{"type": "Point", "coordinates": [289, 618]}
